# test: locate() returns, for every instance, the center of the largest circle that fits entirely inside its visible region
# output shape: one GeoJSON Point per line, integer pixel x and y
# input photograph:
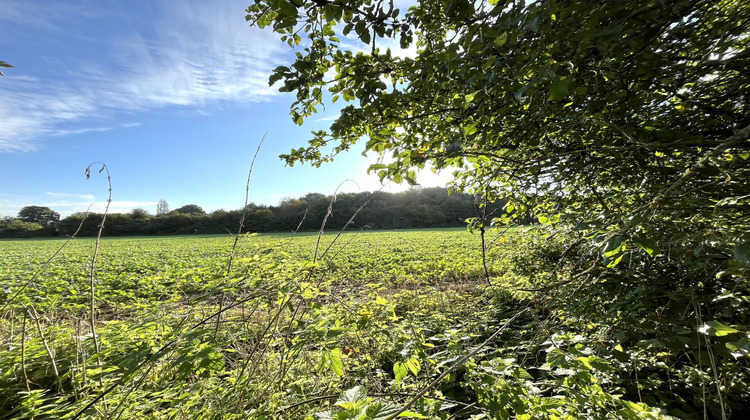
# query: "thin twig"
{"type": "Point", "coordinates": [35, 317]}
{"type": "Point", "coordinates": [23, 352]}
{"type": "Point", "coordinates": [233, 253]}
{"type": "Point", "coordinates": [712, 360]}
{"type": "Point", "coordinates": [244, 207]}
{"type": "Point", "coordinates": [92, 271]}
{"type": "Point", "coordinates": [351, 220]}
{"type": "Point", "coordinates": [329, 213]}
{"type": "Point", "coordinates": [483, 215]}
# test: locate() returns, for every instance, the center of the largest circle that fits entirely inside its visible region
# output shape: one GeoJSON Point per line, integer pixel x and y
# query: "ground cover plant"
{"type": "Point", "coordinates": [293, 325]}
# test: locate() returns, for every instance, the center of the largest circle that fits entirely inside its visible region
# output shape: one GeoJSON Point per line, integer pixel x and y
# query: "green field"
{"type": "Point", "coordinates": [351, 326]}
{"type": "Point", "coordinates": [140, 272]}
{"type": "Point", "coordinates": [293, 325]}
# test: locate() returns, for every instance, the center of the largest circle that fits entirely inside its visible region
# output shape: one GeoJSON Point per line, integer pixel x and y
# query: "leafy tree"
{"type": "Point", "coordinates": [625, 124]}
{"type": "Point", "coordinates": [38, 214]}
{"type": "Point", "coordinates": [192, 209]}
{"type": "Point", "coordinates": [139, 214]}
{"type": "Point", "coordinates": [174, 223]}
{"type": "Point", "coordinates": [88, 223]}
{"type": "Point", "coordinates": [12, 225]}
{"type": "Point", "coordinates": [290, 213]}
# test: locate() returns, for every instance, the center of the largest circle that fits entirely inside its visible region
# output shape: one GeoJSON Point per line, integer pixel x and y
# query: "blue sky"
{"type": "Point", "coordinates": [172, 96]}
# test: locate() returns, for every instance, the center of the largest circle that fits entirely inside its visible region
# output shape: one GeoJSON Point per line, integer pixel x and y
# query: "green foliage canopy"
{"type": "Point", "coordinates": [39, 214]}
{"type": "Point", "coordinates": [613, 111]}
{"type": "Point", "coordinates": [415, 208]}
{"type": "Point", "coordinates": [190, 209]}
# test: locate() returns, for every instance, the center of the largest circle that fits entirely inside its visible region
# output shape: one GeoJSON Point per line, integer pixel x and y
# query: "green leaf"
{"type": "Point", "coordinates": [400, 370]}
{"type": "Point", "coordinates": [4, 64]}
{"type": "Point", "coordinates": [337, 364]}
{"type": "Point", "coordinates": [716, 328]}
{"type": "Point", "coordinates": [414, 365]}
{"type": "Point", "coordinates": [325, 415]}
{"type": "Point", "coordinates": [470, 129]}
{"type": "Point", "coordinates": [287, 9]}
{"type": "Point", "coordinates": [739, 348]}
{"type": "Point", "coordinates": [356, 394]}
{"type": "Point", "coordinates": [614, 247]}
{"type": "Point", "coordinates": [559, 89]}
{"type": "Point", "coordinates": [647, 245]}
{"type": "Point", "coordinates": [616, 261]}
{"type": "Point", "coordinates": [556, 358]}
{"type": "Point", "coordinates": [405, 41]}
{"type": "Point", "coordinates": [501, 40]}
{"type": "Point", "coordinates": [362, 31]}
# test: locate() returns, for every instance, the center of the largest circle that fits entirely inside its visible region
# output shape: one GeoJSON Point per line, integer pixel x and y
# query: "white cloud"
{"type": "Point", "coordinates": [89, 197]}
{"type": "Point", "coordinates": [25, 11]}
{"type": "Point", "coordinates": [67, 207]}
{"type": "Point", "coordinates": [68, 203]}
{"type": "Point", "coordinates": [200, 52]}
{"type": "Point", "coordinates": [122, 206]}
{"type": "Point", "coordinates": [329, 118]}
{"type": "Point", "coordinates": [195, 54]}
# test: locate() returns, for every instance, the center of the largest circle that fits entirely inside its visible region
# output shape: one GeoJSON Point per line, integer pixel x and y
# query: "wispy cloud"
{"type": "Point", "coordinates": [329, 118]}
{"type": "Point", "coordinates": [68, 203]}
{"type": "Point", "coordinates": [123, 206]}
{"type": "Point", "coordinates": [196, 54]}
{"type": "Point", "coordinates": [89, 197]}
{"type": "Point", "coordinates": [68, 207]}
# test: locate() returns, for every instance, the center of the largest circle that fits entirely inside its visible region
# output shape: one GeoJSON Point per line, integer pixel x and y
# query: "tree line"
{"type": "Point", "coordinates": [415, 208]}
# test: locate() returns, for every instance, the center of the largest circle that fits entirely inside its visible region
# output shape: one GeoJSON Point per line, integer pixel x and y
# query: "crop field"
{"type": "Point", "coordinates": [279, 327]}
{"type": "Point", "coordinates": [359, 325]}
{"type": "Point", "coordinates": [142, 272]}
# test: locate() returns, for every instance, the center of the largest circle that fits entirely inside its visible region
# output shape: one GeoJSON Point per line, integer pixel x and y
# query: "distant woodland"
{"type": "Point", "coordinates": [415, 208]}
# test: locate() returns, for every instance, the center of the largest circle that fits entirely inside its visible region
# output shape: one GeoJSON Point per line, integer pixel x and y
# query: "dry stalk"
{"type": "Point", "coordinates": [244, 207]}
{"type": "Point", "coordinates": [79, 353]}
{"type": "Point", "coordinates": [712, 360]}
{"type": "Point", "coordinates": [35, 316]}
{"type": "Point", "coordinates": [233, 253]}
{"type": "Point", "coordinates": [92, 271]}
{"type": "Point", "coordinates": [23, 352]}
